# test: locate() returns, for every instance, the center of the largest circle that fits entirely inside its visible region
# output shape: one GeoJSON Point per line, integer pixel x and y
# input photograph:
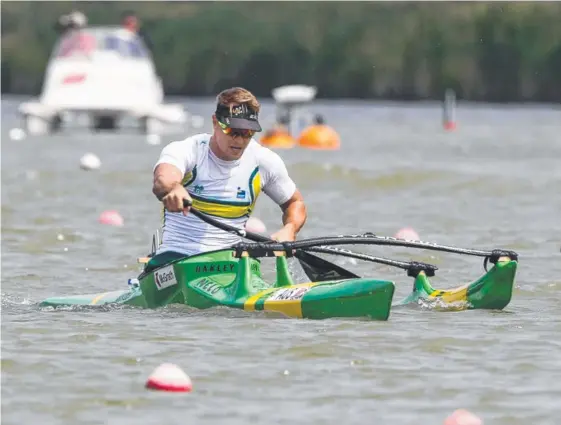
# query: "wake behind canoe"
{"type": "Point", "coordinates": [127, 296]}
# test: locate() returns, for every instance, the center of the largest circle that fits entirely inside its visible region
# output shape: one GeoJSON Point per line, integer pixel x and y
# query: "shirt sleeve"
{"type": "Point", "coordinates": [277, 184]}
{"type": "Point", "coordinates": [182, 154]}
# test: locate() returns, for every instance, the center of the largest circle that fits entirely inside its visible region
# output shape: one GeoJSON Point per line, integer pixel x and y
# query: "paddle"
{"type": "Point", "coordinates": [316, 268]}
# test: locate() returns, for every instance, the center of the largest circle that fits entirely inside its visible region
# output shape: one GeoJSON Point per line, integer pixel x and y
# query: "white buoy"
{"type": "Point", "coordinates": [197, 121]}
{"type": "Point", "coordinates": [169, 377]}
{"type": "Point", "coordinates": [153, 139]}
{"type": "Point", "coordinates": [90, 161]}
{"type": "Point", "coordinates": [16, 134]}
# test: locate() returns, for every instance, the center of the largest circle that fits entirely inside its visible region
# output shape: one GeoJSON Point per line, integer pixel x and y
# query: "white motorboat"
{"type": "Point", "coordinates": [292, 102]}
{"type": "Point", "coordinates": [106, 73]}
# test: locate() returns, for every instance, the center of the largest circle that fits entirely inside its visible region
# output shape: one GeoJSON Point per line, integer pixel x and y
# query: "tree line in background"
{"type": "Point", "coordinates": [499, 52]}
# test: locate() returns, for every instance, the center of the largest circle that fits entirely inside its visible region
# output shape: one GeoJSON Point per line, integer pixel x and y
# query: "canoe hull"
{"type": "Point", "coordinates": [218, 279]}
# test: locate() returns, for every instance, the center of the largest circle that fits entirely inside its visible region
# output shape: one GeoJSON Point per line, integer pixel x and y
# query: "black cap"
{"type": "Point", "coordinates": [238, 116]}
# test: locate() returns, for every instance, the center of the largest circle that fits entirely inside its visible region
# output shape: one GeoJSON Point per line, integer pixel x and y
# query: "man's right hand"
{"type": "Point", "coordinates": [173, 201]}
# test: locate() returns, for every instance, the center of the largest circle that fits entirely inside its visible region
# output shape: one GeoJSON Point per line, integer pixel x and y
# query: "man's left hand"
{"type": "Point", "coordinates": [286, 234]}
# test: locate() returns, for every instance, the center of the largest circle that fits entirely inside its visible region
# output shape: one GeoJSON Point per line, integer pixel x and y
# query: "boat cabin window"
{"type": "Point", "coordinates": [84, 43]}
{"type": "Point", "coordinates": [131, 48]}
{"type": "Point", "coordinates": [76, 44]}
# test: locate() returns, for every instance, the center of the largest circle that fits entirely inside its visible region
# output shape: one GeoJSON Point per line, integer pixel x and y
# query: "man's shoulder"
{"type": "Point", "coordinates": [264, 155]}
{"type": "Point", "coordinates": [189, 144]}
{"type": "Point", "coordinates": [196, 139]}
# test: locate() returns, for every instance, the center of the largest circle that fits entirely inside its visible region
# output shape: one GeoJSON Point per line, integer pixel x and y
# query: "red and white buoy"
{"type": "Point", "coordinates": [169, 377]}
{"type": "Point", "coordinates": [407, 233]}
{"type": "Point", "coordinates": [111, 218]}
{"type": "Point", "coordinates": [255, 225]}
{"type": "Point", "coordinates": [462, 417]}
{"type": "Point", "coordinates": [449, 110]}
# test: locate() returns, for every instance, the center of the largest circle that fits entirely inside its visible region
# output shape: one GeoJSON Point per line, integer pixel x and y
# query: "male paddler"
{"type": "Point", "coordinates": [222, 174]}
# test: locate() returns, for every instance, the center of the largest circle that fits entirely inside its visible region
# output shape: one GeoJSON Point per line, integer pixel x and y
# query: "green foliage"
{"type": "Point", "coordinates": [485, 51]}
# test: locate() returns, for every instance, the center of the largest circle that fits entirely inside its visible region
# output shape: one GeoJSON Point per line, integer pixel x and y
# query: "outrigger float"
{"type": "Point", "coordinates": [232, 278]}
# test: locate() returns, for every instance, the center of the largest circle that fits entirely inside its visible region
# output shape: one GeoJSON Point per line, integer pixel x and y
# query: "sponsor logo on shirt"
{"type": "Point", "coordinates": [199, 189]}
{"type": "Point", "coordinates": [240, 194]}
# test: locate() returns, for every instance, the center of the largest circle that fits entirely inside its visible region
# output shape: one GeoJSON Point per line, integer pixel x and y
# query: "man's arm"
{"type": "Point", "coordinates": [168, 188]}
{"type": "Point", "coordinates": [293, 217]}
{"type": "Point", "coordinates": [166, 177]}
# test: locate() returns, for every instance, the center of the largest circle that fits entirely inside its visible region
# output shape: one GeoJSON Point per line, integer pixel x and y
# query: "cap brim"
{"type": "Point", "coordinates": [244, 124]}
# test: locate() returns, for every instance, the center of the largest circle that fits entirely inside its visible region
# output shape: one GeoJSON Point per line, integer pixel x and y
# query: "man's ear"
{"type": "Point", "coordinates": [213, 119]}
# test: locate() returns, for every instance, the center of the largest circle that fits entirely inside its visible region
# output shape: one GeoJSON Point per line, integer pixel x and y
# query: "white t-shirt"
{"type": "Point", "coordinates": [227, 190]}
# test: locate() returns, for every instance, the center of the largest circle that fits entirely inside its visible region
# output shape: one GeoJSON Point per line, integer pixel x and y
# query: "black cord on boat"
{"type": "Point", "coordinates": [288, 250]}
{"type": "Point", "coordinates": [371, 239]}
{"type": "Point", "coordinates": [493, 258]}
{"type": "Point", "coordinates": [413, 268]}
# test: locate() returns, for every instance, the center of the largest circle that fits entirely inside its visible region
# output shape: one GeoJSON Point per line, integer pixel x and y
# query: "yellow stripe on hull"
{"type": "Point", "coordinates": [249, 304]}
{"type": "Point", "coordinates": [291, 308]}
{"type": "Point", "coordinates": [455, 295]}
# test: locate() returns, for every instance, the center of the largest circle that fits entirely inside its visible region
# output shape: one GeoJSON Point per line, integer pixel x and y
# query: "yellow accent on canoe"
{"type": "Point", "coordinates": [98, 298]}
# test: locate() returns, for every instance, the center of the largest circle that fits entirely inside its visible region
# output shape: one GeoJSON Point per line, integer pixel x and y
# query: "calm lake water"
{"type": "Point", "coordinates": [494, 182]}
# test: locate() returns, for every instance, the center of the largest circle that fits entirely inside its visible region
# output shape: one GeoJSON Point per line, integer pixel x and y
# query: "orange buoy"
{"type": "Point", "coordinates": [277, 139]}
{"type": "Point", "coordinates": [319, 136]}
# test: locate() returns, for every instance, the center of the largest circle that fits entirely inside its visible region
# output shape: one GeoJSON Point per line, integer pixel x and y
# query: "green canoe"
{"type": "Point", "coordinates": [232, 278]}
{"type": "Point", "coordinates": [218, 278]}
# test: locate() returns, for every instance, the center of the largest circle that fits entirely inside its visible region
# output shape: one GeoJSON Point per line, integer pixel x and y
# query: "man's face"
{"type": "Point", "coordinates": [231, 142]}
{"type": "Point", "coordinates": [131, 23]}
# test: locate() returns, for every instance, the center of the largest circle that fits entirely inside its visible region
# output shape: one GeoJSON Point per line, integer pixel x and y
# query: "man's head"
{"type": "Point", "coordinates": [130, 21]}
{"type": "Point", "coordinates": [235, 121]}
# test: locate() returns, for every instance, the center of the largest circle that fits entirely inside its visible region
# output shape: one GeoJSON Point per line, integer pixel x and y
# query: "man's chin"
{"type": "Point", "coordinates": [236, 153]}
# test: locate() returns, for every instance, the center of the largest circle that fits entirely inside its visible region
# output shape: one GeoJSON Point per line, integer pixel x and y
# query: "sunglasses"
{"type": "Point", "coordinates": [235, 132]}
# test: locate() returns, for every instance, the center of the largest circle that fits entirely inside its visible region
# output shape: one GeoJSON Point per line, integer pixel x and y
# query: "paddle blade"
{"type": "Point", "coordinates": [319, 270]}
